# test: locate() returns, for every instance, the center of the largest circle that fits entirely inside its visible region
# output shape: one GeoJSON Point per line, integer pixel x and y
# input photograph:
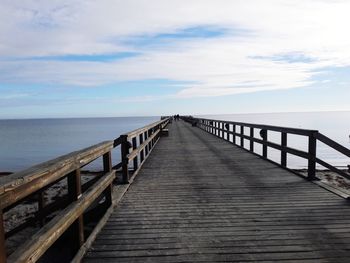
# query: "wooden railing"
{"type": "Point", "coordinates": [37, 179]}
{"type": "Point", "coordinates": [227, 130]}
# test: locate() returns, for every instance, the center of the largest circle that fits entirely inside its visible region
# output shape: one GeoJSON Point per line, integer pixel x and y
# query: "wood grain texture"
{"type": "Point", "coordinates": [35, 247]}
{"type": "Point", "coordinates": [198, 198]}
{"type": "Point", "coordinates": [29, 181]}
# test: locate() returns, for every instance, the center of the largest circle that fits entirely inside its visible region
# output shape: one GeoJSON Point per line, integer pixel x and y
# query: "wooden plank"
{"type": "Point", "coordinates": [264, 134]}
{"type": "Point", "coordinates": [181, 208]}
{"type": "Point", "coordinates": [124, 149]}
{"type": "Point", "coordinates": [142, 155]}
{"type": "Point", "coordinates": [304, 132]}
{"type": "Point", "coordinates": [333, 144]}
{"type": "Point", "coordinates": [117, 195]}
{"type": "Point", "coordinates": [2, 239]}
{"type": "Point", "coordinates": [117, 142]}
{"type": "Point", "coordinates": [145, 134]}
{"type": "Point", "coordinates": [135, 158]}
{"type": "Point", "coordinates": [287, 149]}
{"type": "Point", "coordinates": [107, 162]}
{"type": "Point", "coordinates": [107, 168]}
{"type": "Point", "coordinates": [33, 179]}
{"type": "Point", "coordinates": [283, 151]}
{"type": "Point", "coordinates": [311, 166]}
{"type": "Point", "coordinates": [136, 132]}
{"type": "Point", "coordinates": [148, 141]}
{"type": "Point", "coordinates": [332, 168]}
{"type": "Point", "coordinates": [74, 193]}
{"type": "Point", "coordinates": [36, 246]}
{"type": "Point", "coordinates": [234, 134]}
{"type": "Point", "coordinates": [251, 145]}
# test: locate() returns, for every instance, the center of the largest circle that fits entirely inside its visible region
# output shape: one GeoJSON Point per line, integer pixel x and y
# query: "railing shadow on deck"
{"type": "Point", "coordinates": [34, 181]}
{"type": "Point", "coordinates": [227, 130]}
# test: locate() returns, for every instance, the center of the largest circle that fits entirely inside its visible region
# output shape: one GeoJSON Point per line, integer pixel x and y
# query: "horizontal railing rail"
{"type": "Point", "coordinates": [228, 130]}
{"type": "Point", "coordinates": [35, 181]}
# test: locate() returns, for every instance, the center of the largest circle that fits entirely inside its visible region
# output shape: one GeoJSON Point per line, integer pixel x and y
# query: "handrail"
{"type": "Point", "coordinates": [291, 130]}
{"type": "Point", "coordinates": [145, 128]}
{"type": "Point", "coordinates": [226, 129]}
{"type": "Point", "coordinates": [36, 246]}
{"type": "Point", "coordinates": [333, 144]}
{"type": "Point", "coordinates": [37, 177]}
{"type": "Point", "coordinates": [35, 180]}
{"type": "Point", "coordinates": [141, 141]}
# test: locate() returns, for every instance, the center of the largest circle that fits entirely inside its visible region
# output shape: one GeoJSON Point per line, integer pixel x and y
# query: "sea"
{"type": "Point", "coordinates": [26, 142]}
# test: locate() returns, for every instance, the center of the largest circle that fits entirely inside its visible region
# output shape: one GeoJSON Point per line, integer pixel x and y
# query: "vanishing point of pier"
{"type": "Point", "coordinates": [192, 191]}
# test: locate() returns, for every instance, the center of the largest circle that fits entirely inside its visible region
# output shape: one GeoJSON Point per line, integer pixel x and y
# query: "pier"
{"type": "Point", "coordinates": [192, 190]}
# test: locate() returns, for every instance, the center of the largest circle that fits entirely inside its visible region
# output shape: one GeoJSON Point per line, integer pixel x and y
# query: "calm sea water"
{"type": "Point", "coordinates": [24, 143]}
{"type": "Point", "coordinates": [335, 125]}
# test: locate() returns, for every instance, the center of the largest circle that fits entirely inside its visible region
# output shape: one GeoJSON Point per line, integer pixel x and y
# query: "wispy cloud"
{"type": "Point", "coordinates": [13, 96]}
{"type": "Point", "coordinates": [220, 47]}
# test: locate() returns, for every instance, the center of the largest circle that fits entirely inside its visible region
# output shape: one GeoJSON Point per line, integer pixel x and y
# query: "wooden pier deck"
{"type": "Point", "coordinates": [199, 198]}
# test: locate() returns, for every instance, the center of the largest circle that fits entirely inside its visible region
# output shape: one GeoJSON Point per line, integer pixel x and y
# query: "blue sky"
{"type": "Point", "coordinates": [159, 57]}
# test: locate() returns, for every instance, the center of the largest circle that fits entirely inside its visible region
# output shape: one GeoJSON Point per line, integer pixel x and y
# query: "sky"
{"type": "Point", "coordinates": [84, 58]}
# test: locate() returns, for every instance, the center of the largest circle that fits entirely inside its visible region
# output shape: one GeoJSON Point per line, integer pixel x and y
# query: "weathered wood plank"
{"type": "Point", "coordinates": [29, 181]}
{"type": "Point", "coordinates": [2, 240]}
{"type": "Point", "coordinates": [141, 147]}
{"type": "Point", "coordinates": [36, 246]}
{"type": "Point", "coordinates": [146, 128]}
{"type": "Point", "coordinates": [198, 198]}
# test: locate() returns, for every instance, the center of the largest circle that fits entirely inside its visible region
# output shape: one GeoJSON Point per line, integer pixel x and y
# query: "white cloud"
{"type": "Point", "coordinates": [229, 64]}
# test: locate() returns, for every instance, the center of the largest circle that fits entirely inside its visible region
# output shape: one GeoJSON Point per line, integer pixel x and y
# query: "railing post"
{"type": "Point", "coordinates": [134, 147]}
{"type": "Point", "coordinates": [264, 137]}
{"type": "Point", "coordinates": [251, 148]}
{"type": "Point", "coordinates": [234, 134]}
{"type": "Point", "coordinates": [142, 156]}
{"type": "Point", "coordinates": [311, 171]}
{"type": "Point", "coordinates": [150, 145]}
{"type": "Point", "coordinates": [227, 126]}
{"type": "Point", "coordinates": [2, 239]}
{"type": "Point", "coordinates": [107, 167]}
{"type": "Point", "coordinates": [283, 152]}
{"type": "Point", "coordinates": [146, 146]}
{"type": "Point", "coordinates": [74, 192]}
{"type": "Point", "coordinates": [125, 160]}
{"type": "Point", "coordinates": [160, 128]}
{"type": "Point", "coordinates": [107, 162]}
{"type": "Point", "coordinates": [222, 129]}
{"type": "Point", "coordinates": [242, 133]}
